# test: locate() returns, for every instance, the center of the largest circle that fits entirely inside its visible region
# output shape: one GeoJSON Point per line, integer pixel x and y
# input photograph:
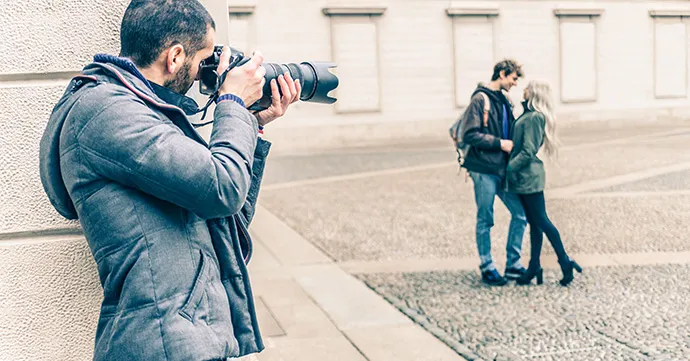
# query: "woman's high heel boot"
{"type": "Point", "coordinates": [567, 269]}
{"type": "Point", "coordinates": [531, 273]}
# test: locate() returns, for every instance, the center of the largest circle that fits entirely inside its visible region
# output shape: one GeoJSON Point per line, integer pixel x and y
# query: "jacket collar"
{"type": "Point", "coordinates": [188, 105]}
{"type": "Point", "coordinates": [123, 63]}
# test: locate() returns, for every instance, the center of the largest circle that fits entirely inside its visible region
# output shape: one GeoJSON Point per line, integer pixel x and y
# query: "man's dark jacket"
{"type": "Point", "coordinates": [485, 154]}
{"type": "Point", "coordinates": [165, 215]}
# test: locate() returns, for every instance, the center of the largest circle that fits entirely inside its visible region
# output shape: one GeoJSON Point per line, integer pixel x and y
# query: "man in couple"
{"type": "Point", "coordinates": [502, 161]}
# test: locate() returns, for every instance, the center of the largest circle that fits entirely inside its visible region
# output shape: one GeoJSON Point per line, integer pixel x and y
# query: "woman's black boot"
{"type": "Point", "coordinates": [531, 273]}
{"type": "Point", "coordinates": [567, 269]}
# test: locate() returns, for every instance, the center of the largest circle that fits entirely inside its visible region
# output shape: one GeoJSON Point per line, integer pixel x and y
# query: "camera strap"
{"type": "Point", "coordinates": [219, 81]}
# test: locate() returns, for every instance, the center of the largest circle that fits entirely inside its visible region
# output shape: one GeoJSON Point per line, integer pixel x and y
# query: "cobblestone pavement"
{"type": "Point", "coordinates": [406, 203]}
{"type": "Point", "coordinates": [608, 313]}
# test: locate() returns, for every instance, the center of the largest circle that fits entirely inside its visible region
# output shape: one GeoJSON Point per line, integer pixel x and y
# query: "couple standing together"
{"type": "Point", "coordinates": [502, 161]}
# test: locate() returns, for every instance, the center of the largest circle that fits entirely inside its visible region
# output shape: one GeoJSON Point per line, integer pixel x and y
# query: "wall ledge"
{"type": "Point", "coordinates": [669, 13]}
{"type": "Point", "coordinates": [241, 9]}
{"type": "Point", "coordinates": [457, 11]}
{"type": "Point", "coordinates": [578, 12]}
{"type": "Point", "coordinates": [354, 10]}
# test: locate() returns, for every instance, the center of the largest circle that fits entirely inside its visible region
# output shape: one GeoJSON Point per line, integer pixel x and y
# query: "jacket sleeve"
{"type": "Point", "coordinates": [473, 134]}
{"type": "Point", "coordinates": [533, 136]}
{"type": "Point", "coordinates": [132, 145]}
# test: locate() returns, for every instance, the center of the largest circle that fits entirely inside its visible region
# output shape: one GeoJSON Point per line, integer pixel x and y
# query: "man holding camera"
{"type": "Point", "coordinates": [165, 214]}
{"type": "Point", "coordinates": [487, 124]}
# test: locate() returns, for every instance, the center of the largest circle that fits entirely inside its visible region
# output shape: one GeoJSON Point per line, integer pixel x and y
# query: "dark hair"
{"type": "Point", "coordinates": [151, 26]}
{"type": "Point", "coordinates": [509, 66]}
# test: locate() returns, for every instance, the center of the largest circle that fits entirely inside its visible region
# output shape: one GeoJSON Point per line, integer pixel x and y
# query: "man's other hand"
{"type": "Point", "coordinates": [291, 91]}
{"type": "Point", "coordinates": [506, 145]}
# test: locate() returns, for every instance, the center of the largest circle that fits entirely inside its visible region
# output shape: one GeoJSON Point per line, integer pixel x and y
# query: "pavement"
{"type": "Point", "coordinates": [368, 254]}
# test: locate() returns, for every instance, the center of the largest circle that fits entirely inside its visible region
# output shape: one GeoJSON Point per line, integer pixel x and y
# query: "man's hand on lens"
{"type": "Point", "coordinates": [290, 90]}
{"type": "Point", "coordinates": [246, 81]}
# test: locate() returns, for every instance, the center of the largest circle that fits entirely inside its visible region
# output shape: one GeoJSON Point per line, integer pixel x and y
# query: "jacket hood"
{"type": "Point", "coordinates": [49, 152]}
{"type": "Point", "coordinates": [495, 95]}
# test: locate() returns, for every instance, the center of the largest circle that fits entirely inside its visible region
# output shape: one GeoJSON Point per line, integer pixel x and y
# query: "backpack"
{"type": "Point", "coordinates": [457, 130]}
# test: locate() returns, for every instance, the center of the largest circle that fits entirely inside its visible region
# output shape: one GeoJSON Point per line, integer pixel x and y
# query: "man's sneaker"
{"type": "Point", "coordinates": [514, 273]}
{"type": "Point", "coordinates": [493, 278]}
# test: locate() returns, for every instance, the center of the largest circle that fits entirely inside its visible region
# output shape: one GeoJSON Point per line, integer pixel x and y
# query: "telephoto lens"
{"type": "Point", "coordinates": [315, 77]}
{"type": "Point", "coordinates": [316, 80]}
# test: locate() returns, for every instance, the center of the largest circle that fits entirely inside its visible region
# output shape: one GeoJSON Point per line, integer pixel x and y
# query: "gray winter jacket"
{"type": "Point", "coordinates": [164, 213]}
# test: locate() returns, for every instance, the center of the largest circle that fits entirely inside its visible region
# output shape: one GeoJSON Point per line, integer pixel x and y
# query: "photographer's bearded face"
{"type": "Point", "coordinates": [183, 68]}
{"type": "Point", "coordinates": [182, 80]}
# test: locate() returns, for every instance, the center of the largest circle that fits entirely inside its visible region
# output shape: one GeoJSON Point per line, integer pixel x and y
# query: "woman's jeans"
{"type": "Point", "coordinates": [486, 188]}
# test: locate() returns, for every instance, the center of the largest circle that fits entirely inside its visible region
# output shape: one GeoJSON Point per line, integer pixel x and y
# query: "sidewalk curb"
{"type": "Point", "coordinates": [417, 318]}
{"type": "Point", "coordinates": [353, 307]}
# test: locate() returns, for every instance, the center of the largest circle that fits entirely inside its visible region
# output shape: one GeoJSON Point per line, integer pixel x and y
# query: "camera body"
{"type": "Point", "coordinates": [209, 79]}
{"type": "Point", "coordinates": [316, 80]}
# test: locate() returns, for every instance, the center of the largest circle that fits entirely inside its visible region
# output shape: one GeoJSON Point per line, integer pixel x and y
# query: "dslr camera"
{"type": "Point", "coordinates": [316, 80]}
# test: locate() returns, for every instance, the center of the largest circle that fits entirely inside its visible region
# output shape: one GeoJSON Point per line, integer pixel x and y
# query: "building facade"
{"type": "Point", "coordinates": [406, 69]}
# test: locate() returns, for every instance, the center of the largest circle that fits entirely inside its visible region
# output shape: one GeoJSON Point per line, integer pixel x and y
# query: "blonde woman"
{"type": "Point", "coordinates": [535, 128]}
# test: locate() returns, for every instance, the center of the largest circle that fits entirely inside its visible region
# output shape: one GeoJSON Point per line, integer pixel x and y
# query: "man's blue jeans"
{"type": "Point", "coordinates": [486, 188]}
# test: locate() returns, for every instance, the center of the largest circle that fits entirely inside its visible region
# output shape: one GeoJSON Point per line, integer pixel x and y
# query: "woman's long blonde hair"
{"type": "Point", "coordinates": [541, 100]}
